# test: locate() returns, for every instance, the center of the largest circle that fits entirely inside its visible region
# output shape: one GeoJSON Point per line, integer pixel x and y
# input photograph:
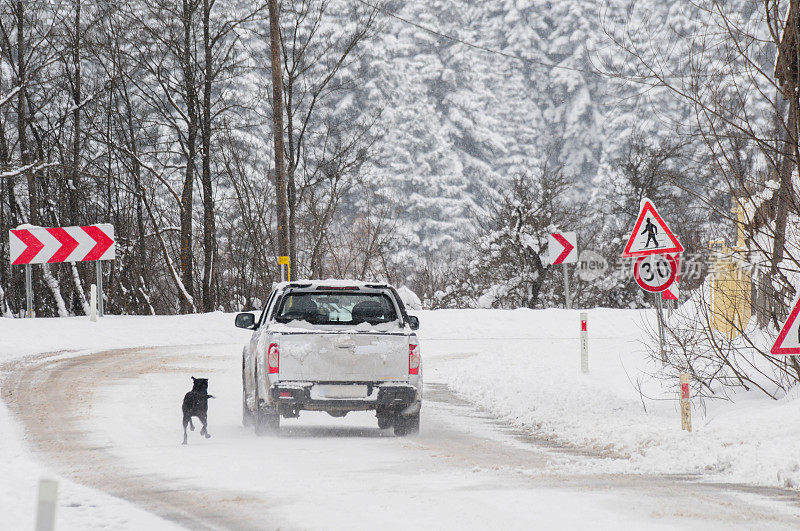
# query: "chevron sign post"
{"type": "Point", "coordinates": [40, 245]}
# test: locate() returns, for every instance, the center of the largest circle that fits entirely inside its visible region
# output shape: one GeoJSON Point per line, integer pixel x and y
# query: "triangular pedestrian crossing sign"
{"type": "Point", "coordinates": [651, 235]}
{"type": "Point", "coordinates": [788, 341]}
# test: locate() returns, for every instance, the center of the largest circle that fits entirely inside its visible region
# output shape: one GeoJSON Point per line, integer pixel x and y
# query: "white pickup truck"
{"type": "Point", "coordinates": [332, 346]}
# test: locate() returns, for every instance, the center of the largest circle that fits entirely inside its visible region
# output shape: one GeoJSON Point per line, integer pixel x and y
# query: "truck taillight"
{"type": "Point", "coordinates": [273, 358]}
{"type": "Point", "coordinates": [413, 359]}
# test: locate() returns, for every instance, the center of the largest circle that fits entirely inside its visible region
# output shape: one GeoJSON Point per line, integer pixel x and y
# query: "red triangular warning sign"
{"type": "Point", "coordinates": [656, 238]}
{"type": "Point", "coordinates": [788, 341]}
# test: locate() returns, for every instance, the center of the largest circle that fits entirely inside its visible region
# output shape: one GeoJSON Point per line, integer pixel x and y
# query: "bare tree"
{"type": "Point", "coordinates": [324, 154]}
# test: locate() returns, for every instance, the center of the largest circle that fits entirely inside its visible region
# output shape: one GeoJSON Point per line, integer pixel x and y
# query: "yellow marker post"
{"type": "Point", "coordinates": [284, 261]}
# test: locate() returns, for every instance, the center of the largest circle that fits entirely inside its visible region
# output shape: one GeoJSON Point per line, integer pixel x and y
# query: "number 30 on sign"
{"type": "Point", "coordinates": [655, 272]}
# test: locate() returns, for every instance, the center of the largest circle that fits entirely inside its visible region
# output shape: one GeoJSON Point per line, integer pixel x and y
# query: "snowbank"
{"type": "Point", "coordinates": [524, 366]}
{"type": "Point", "coordinates": [22, 337]}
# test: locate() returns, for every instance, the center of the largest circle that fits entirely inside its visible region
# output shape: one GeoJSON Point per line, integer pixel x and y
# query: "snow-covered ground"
{"type": "Point", "coordinates": [81, 507]}
{"type": "Point", "coordinates": [522, 366]}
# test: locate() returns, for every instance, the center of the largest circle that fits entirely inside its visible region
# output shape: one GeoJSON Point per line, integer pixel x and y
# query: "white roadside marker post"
{"type": "Point", "coordinates": [686, 406]}
{"type": "Point", "coordinates": [46, 505]}
{"type": "Point", "coordinates": [93, 303]}
{"type": "Point", "coordinates": [584, 344]}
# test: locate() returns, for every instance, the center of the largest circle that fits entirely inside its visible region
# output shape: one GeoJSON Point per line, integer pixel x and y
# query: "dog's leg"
{"type": "Point", "coordinates": [191, 424]}
{"type": "Point", "coordinates": [185, 423]}
{"type": "Point", "coordinates": [204, 431]}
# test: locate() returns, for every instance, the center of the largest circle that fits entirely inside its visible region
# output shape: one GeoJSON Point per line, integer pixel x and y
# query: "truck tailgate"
{"type": "Point", "coordinates": [343, 357]}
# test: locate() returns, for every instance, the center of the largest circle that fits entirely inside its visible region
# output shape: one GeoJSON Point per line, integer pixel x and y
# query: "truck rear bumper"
{"type": "Point", "coordinates": [289, 397]}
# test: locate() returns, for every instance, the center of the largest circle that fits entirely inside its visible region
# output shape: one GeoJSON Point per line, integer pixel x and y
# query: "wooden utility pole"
{"type": "Point", "coordinates": [74, 186]}
{"type": "Point", "coordinates": [277, 121]}
{"type": "Point", "coordinates": [22, 118]}
{"type": "Point", "coordinates": [209, 221]}
{"type": "Point", "coordinates": [787, 72]}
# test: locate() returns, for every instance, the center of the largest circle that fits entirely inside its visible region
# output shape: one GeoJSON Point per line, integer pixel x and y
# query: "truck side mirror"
{"type": "Point", "coordinates": [413, 322]}
{"type": "Point", "coordinates": [246, 320]}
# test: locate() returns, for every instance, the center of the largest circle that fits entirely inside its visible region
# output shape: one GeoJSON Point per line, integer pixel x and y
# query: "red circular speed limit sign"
{"type": "Point", "coordinates": [655, 272]}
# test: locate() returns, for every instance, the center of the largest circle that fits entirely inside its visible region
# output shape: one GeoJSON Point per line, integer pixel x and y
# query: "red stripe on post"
{"type": "Point", "coordinates": [685, 390]}
{"type": "Point", "coordinates": [583, 326]}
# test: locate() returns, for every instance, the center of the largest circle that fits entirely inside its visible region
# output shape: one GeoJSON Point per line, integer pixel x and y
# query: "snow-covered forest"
{"type": "Point", "coordinates": [428, 144]}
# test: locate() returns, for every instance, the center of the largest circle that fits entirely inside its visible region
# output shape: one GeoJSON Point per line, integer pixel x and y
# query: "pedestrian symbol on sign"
{"type": "Point", "coordinates": [651, 230]}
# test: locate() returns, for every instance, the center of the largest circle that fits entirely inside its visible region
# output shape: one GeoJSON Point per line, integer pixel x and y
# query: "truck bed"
{"type": "Point", "coordinates": [344, 357]}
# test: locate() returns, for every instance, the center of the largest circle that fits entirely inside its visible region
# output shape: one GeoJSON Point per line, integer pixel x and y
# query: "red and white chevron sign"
{"type": "Point", "coordinates": [561, 246]}
{"type": "Point", "coordinates": [40, 245]}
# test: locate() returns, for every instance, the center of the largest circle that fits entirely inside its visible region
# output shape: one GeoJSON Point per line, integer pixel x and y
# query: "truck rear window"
{"type": "Point", "coordinates": [336, 308]}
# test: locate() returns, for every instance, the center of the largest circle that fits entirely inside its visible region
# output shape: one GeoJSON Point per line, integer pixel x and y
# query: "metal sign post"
{"type": "Point", "coordinates": [660, 316]}
{"type": "Point", "coordinates": [99, 288]}
{"type": "Point", "coordinates": [29, 290]}
{"type": "Point", "coordinates": [567, 296]}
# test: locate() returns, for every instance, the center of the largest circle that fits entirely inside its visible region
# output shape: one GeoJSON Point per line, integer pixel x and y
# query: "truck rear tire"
{"type": "Point", "coordinates": [247, 415]}
{"type": "Point", "coordinates": [385, 421]}
{"type": "Point", "coordinates": [268, 423]}
{"type": "Point", "coordinates": [406, 425]}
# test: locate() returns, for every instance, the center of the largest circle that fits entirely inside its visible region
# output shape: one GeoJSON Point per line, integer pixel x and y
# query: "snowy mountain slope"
{"type": "Point", "coordinates": [459, 121]}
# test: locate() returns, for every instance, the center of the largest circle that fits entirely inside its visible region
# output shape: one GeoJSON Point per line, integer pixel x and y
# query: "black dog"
{"type": "Point", "coordinates": [195, 404]}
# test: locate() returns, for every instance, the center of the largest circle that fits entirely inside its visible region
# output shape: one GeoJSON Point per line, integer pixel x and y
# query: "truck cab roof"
{"type": "Point", "coordinates": [334, 284]}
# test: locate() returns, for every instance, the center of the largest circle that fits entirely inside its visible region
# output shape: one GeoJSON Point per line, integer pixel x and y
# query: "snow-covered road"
{"type": "Point", "coordinates": [111, 420]}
